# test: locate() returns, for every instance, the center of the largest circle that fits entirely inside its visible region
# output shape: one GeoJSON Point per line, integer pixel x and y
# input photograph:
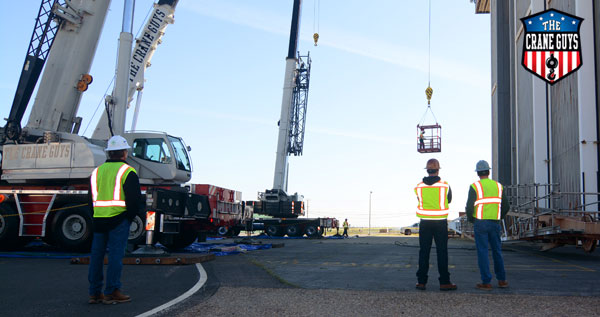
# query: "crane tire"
{"type": "Point", "coordinates": [9, 229]}
{"type": "Point", "coordinates": [72, 229]}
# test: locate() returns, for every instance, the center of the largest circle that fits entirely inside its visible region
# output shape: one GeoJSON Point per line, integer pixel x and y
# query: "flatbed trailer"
{"type": "Point", "coordinates": [295, 227]}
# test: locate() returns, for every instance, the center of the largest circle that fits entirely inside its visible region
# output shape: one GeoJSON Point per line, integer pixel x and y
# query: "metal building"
{"type": "Point", "coordinates": [542, 133]}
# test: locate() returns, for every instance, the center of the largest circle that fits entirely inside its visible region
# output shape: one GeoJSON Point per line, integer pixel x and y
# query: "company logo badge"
{"type": "Point", "coordinates": [552, 45]}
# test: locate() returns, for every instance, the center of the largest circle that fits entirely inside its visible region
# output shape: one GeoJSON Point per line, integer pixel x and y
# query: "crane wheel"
{"type": "Point", "coordinates": [9, 228]}
{"type": "Point", "coordinates": [137, 230]}
{"type": "Point", "coordinates": [293, 231]}
{"type": "Point", "coordinates": [72, 229]}
{"type": "Point", "coordinates": [311, 231]}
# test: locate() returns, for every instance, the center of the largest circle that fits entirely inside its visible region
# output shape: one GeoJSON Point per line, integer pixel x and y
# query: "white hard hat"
{"type": "Point", "coordinates": [116, 143]}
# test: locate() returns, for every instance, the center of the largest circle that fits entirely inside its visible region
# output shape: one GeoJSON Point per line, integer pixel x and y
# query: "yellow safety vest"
{"type": "Point", "coordinates": [107, 189]}
{"type": "Point", "coordinates": [345, 225]}
{"type": "Point", "coordinates": [433, 200]}
{"type": "Point", "coordinates": [489, 199]}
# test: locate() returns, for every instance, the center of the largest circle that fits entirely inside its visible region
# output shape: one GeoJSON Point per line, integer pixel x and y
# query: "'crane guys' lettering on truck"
{"type": "Point", "coordinates": [151, 31]}
{"type": "Point", "coordinates": [38, 151]}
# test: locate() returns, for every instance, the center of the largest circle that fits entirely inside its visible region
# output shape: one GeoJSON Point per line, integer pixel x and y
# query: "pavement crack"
{"type": "Point", "coordinates": [273, 274]}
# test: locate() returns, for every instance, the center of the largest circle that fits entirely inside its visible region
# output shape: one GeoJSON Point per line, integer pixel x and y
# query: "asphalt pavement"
{"type": "Point", "coordinates": [375, 276]}
{"type": "Point", "coordinates": [354, 276]}
{"type": "Point", "coordinates": [390, 263]}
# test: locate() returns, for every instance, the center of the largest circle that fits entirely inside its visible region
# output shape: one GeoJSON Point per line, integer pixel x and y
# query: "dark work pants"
{"type": "Point", "coordinates": [433, 230]}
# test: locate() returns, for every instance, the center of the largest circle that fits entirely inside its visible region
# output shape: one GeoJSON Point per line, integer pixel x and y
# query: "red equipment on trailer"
{"type": "Point", "coordinates": [226, 209]}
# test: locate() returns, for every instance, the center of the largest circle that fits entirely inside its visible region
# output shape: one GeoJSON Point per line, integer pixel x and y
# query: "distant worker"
{"type": "Point", "coordinates": [486, 206]}
{"type": "Point", "coordinates": [115, 198]}
{"type": "Point", "coordinates": [433, 195]}
{"type": "Point", "coordinates": [345, 234]}
{"type": "Point", "coordinates": [422, 139]}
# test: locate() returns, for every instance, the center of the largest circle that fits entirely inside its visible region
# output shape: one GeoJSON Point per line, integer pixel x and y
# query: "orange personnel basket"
{"type": "Point", "coordinates": [429, 138]}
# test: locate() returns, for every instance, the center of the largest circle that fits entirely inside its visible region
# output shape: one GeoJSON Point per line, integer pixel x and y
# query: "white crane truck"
{"type": "Point", "coordinates": [47, 164]}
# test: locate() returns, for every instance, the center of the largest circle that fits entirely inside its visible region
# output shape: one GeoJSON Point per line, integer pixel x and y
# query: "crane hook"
{"type": "Point", "coordinates": [429, 93]}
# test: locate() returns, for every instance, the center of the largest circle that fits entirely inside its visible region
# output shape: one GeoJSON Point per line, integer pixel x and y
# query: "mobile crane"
{"type": "Point", "coordinates": [46, 165]}
{"type": "Point", "coordinates": [282, 209]}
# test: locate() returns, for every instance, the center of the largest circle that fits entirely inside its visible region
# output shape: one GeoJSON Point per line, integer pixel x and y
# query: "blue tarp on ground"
{"type": "Point", "coordinates": [196, 247]}
{"type": "Point", "coordinates": [40, 255]}
{"type": "Point", "coordinates": [223, 249]}
{"type": "Point", "coordinates": [39, 250]}
{"type": "Point", "coordinates": [264, 236]}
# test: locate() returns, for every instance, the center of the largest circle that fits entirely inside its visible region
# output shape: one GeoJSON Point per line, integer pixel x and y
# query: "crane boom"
{"type": "Point", "coordinates": [37, 52]}
{"type": "Point", "coordinates": [276, 202]}
{"type": "Point", "coordinates": [144, 49]}
{"type": "Point", "coordinates": [289, 83]}
{"type": "Point", "coordinates": [70, 58]}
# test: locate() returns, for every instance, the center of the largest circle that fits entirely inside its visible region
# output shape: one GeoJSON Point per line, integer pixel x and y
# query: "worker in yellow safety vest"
{"type": "Point", "coordinates": [115, 198]}
{"type": "Point", "coordinates": [433, 196]}
{"type": "Point", "coordinates": [345, 234]}
{"type": "Point", "coordinates": [486, 206]}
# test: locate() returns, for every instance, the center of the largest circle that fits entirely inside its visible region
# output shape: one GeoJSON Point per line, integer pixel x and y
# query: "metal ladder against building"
{"type": "Point", "coordinates": [32, 223]}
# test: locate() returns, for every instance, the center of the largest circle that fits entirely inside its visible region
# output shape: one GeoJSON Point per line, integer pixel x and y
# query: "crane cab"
{"type": "Point", "coordinates": [429, 138]}
{"type": "Point", "coordinates": [159, 157]}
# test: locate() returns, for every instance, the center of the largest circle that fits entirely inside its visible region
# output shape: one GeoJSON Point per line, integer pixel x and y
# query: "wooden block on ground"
{"type": "Point", "coordinates": [173, 259]}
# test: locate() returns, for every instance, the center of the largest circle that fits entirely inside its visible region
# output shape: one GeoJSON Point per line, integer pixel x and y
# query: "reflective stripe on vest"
{"type": "Point", "coordinates": [489, 199]}
{"type": "Point", "coordinates": [107, 189]}
{"type": "Point", "coordinates": [433, 200]}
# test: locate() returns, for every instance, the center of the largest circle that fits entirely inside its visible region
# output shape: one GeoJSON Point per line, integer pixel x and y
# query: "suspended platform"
{"type": "Point", "coordinates": [429, 138]}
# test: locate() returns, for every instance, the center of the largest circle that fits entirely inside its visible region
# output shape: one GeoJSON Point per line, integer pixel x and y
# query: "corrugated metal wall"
{"type": "Point", "coordinates": [501, 96]}
{"type": "Point", "coordinates": [562, 100]}
{"type": "Point", "coordinates": [524, 108]}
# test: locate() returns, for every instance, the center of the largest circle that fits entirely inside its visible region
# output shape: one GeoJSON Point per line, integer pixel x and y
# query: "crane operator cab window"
{"type": "Point", "coordinates": [157, 150]}
{"type": "Point", "coordinates": [181, 154]}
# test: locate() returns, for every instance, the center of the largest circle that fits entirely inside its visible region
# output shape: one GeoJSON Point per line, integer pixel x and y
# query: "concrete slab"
{"type": "Point", "coordinates": [390, 263]}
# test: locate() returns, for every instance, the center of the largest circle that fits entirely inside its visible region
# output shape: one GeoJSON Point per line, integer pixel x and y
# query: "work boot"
{"type": "Point", "coordinates": [96, 299]}
{"type": "Point", "coordinates": [116, 297]}
{"type": "Point", "coordinates": [503, 284]}
{"type": "Point", "coordinates": [485, 287]}
{"type": "Point", "coordinates": [420, 286]}
{"type": "Point", "coordinates": [448, 287]}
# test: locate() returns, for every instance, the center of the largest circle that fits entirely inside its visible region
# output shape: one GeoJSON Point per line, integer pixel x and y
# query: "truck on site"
{"type": "Point", "coordinates": [46, 164]}
{"type": "Point", "coordinates": [278, 212]}
{"type": "Point", "coordinates": [408, 230]}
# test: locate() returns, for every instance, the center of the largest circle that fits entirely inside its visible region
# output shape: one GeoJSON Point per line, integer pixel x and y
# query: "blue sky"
{"type": "Point", "coordinates": [217, 78]}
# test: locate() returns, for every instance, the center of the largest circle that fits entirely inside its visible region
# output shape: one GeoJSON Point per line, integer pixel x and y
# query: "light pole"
{"type": "Point", "coordinates": [370, 193]}
{"type": "Point", "coordinates": [308, 200]}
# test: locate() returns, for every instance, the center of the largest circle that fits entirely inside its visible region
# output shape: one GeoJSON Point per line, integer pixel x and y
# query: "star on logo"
{"type": "Point", "coordinates": [551, 14]}
{"type": "Point", "coordinates": [529, 22]}
{"type": "Point", "coordinates": [573, 22]}
{"type": "Point", "coordinates": [541, 18]}
{"type": "Point", "coordinates": [562, 19]}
